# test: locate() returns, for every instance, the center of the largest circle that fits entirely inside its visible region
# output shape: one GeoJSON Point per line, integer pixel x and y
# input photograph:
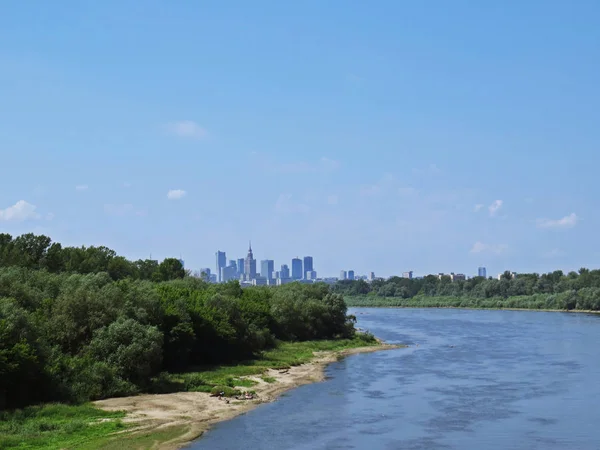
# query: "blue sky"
{"type": "Point", "coordinates": [376, 136]}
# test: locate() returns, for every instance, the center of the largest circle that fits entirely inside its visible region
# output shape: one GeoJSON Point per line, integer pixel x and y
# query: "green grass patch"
{"type": "Point", "coordinates": [284, 355]}
{"type": "Point", "coordinates": [56, 426]}
{"type": "Point", "coordinates": [268, 379]}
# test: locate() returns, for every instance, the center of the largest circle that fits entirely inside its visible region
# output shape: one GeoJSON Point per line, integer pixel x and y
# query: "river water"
{"type": "Point", "coordinates": [477, 380]}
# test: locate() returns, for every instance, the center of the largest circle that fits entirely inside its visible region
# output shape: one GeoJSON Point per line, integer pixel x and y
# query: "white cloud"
{"type": "Point", "coordinates": [332, 199]}
{"type": "Point", "coordinates": [566, 222]}
{"type": "Point", "coordinates": [176, 194]}
{"type": "Point", "coordinates": [81, 187]}
{"type": "Point", "coordinates": [285, 204]}
{"type": "Point", "coordinates": [495, 207]}
{"type": "Point", "coordinates": [19, 212]}
{"type": "Point", "coordinates": [186, 129]}
{"type": "Point", "coordinates": [480, 247]}
{"type": "Point", "coordinates": [478, 207]}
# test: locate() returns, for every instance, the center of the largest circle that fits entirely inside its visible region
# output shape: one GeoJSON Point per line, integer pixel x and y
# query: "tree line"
{"type": "Point", "coordinates": [555, 290]}
{"type": "Point", "coordinates": [72, 330]}
{"type": "Point", "coordinates": [39, 252]}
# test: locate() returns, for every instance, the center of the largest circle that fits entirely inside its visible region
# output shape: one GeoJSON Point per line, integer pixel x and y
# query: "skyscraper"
{"type": "Point", "coordinates": [481, 272]}
{"type": "Point", "coordinates": [284, 272]}
{"type": "Point", "coordinates": [267, 266]}
{"type": "Point", "coordinates": [221, 262]}
{"type": "Point", "coordinates": [233, 263]}
{"type": "Point", "coordinates": [308, 265]}
{"type": "Point", "coordinates": [343, 275]}
{"type": "Point", "coordinates": [351, 274]}
{"type": "Point", "coordinates": [250, 265]}
{"type": "Point", "coordinates": [240, 266]}
{"type": "Point", "coordinates": [296, 269]}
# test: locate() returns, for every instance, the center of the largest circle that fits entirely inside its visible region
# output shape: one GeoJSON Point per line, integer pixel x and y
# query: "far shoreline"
{"type": "Point", "coordinates": [578, 311]}
{"type": "Point", "coordinates": [196, 412]}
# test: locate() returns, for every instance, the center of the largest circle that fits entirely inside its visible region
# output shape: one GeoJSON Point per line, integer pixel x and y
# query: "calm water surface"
{"type": "Point", "coordinates": [477, 380]}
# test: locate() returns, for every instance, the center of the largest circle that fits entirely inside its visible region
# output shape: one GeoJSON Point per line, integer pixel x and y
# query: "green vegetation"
{"type": "Point", "coordinates": [56, 426]}
{"type": "Point", "coordinates": [551, 291]}
{"type": "Point", "coordinates": [229, 378]}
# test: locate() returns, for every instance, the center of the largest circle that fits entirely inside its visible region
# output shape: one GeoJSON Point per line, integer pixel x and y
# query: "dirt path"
{"type": "Point", "coordinates": [197, 411]}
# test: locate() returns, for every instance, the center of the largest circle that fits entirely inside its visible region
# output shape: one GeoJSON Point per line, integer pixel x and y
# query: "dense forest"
{"type": "Point", "coordinates": [83, 323]}
{"type": "Point", "coordinates": [555, 290]}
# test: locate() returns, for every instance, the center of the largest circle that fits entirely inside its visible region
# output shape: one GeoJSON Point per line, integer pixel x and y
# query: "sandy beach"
{"type": "Point", "coordinates": [195, 412]}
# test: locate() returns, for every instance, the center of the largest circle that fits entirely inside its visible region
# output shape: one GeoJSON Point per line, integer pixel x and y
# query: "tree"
{"type": "Point", "coordinates": [170, 269]}
{"type": "Point", "coordinates": [133, 349]}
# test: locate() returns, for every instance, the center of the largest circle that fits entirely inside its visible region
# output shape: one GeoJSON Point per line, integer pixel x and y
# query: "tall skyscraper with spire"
{"type": "Point", "coordinates": [250, 265]}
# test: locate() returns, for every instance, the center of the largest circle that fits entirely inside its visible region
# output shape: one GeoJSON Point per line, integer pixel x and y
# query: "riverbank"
{"type": "Point", "coordinates": [187, 415]}
{"type": "Point", "coordinates": [522, 303]}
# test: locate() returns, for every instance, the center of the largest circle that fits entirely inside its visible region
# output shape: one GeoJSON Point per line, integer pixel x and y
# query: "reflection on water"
{"type": "Point", "coordinates": [477, 380]}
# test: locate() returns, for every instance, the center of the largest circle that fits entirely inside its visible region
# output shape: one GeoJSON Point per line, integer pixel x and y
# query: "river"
{"type": "Point", "coordinates": [477, 380]}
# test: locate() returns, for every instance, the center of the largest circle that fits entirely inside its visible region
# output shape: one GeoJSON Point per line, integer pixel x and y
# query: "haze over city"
{"type": "Point", "coordinates": [429, 137]}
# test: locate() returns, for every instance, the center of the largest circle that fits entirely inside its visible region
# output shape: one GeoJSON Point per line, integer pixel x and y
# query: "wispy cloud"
{"type": "Point", "coordinates": [176, 194]}
{"type": "Point", "coordinates": [386, 182]}
{"type": "Point", "coordinates": [286, 204]}
{"type": "Point", "coordinates": [495, 207]}
{"type": "Point", "coordinates": [19, 212]}
{"type": "Point", "coordinates": [186, 129]}
{"type": "Point", "coordinates": [480, 247]}
{"type": "Point", "coordinates": [81, 187]}
{"type": "Point", "coordinates": [565, 222]}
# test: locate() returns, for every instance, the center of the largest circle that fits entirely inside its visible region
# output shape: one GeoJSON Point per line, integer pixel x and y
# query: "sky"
{"type": "Point", "coordinates": [380, 136]}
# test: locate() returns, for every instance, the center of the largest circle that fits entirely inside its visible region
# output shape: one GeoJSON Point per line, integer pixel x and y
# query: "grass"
{"type": "Point", "coordinates": [57, 426]}
{"type": "Point", "coordinates": [228, 378]}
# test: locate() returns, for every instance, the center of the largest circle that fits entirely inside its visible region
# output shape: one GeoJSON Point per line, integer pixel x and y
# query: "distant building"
{"type": "Point", "coordinates": [249, 265]}
{"type": "Point", "coordinates": [213, 277]}
{"type": "Point", "coordinates": [240, 266]}
{"type": "Point", "coordinates": [267, 266]}
{"type": "Point", "coordinates": [408, 275]}
{"type": "Point", "coordinates": [311, 275]}
{"type": "Point", "coordinates": [457, 276]}
{"type": "Point", "coordinates": [308, 265]}
{"type": "Point", "coordinates": [343, 275]}
{"type": "Point", "coordinates": [281, 281]}
{"type": "Point", "coordinates": [481, 272]}
{"type": "Point", "coordinates": [351, 275]}
{"type": "Point", "coordinates": [233, 263]}
{"type": "Point", "coordinates": [204, 274]}
{"type": "Point", "coordinates": [284, 272]}
{"type": "Point", "coordinates": [259, 281]}
{"type": "Point", "coordinates": [228, 273]}
{"type": "Point", "coordinates": [296, 269]}
{"type": "Point", "coordinates": [512, 275]}
{"type": "Point", "coordinates": [372, 276]}
{"type": "Point", "coordinates": [221, 262]}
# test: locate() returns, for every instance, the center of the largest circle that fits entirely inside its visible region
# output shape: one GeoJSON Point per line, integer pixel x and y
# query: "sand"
{"type": "Point", "coordinates": [195, 412]}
